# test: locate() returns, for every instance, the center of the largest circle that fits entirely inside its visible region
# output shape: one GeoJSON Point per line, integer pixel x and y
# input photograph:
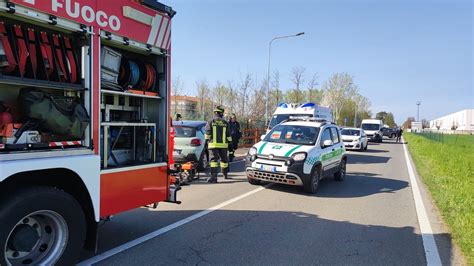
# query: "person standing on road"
{"type": "Point", "coordinates": [178, 117]}
{"type": "Point", "coordinates": [218, 138]}
{"type": "Point", "coordinates": [399, 134]}
{"type": "Point", "coordinates": [235, 134]}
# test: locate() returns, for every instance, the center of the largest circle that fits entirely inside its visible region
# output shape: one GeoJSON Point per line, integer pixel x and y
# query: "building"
{"type": "Point", "coordinates": [462, 120]}
{"type": "Point", "coordinates": [185, 105]}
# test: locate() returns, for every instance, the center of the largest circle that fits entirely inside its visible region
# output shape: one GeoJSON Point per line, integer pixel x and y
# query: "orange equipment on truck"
{"type": "Point", "coordinates": [85, 96]}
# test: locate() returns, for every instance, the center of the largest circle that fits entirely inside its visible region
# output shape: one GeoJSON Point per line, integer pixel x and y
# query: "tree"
{"type": "Point", "coordinates": [176, 89]}
{"type": "Point", "coordinates": [244, 85]}
{"type": "Point", "coordinates": [387, 118]}
{"type": "Point", "coordinates": [231, 97]}
{"type": "Point", "coordinates": [275, 94]}
{"type": "Point", "coordinates": [361, 106]}
{"type": "Point", "coordinates": [294, 96]}
{"type": "Point", "coordinates": [204, 104]}
{"type": "Point", "coordinates": [220, 93]}
{"type": "Point", "coordinates": [407, 123]}
{"type": "Point", "coordinates": [298, 77]}
{"type": "Point", "coordinates": [337, 90]}
{"type": "Point", "coordinates": [256, 106]}
{"type": "Point", "coordinates": [312, 93]}
{"type": "Point", "coordinates": [425, 123]}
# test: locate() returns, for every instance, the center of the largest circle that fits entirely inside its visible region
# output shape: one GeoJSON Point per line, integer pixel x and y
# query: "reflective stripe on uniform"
{"type": "Point", "coordinates": [214, 134]}
{"type": "Point", "coordinates": [217, 145]}
{"type": "Point", "coordinates": [223, 134]}
{"type": "Point", "coordinates": [214, 164]}
{"type": "Point", "coordinates": [207, 136]}
{"type": "Point", "coordinates": [224, 165]}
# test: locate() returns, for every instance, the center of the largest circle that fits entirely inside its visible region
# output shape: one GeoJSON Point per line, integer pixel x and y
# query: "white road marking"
{"type": "Point", "coordinates": [161, 231]}
{"type": "Point", "coordinates": [429, 243]}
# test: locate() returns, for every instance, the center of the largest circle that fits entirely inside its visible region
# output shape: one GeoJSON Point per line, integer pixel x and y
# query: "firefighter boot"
{"type": "Point", "coordinates": [225, 170]}
{"type": "Point", "coordinates": [214, 171]}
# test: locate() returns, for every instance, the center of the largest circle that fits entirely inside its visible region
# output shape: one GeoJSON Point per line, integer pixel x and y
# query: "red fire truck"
{"type": "Point", "coordinates": [84, 121]}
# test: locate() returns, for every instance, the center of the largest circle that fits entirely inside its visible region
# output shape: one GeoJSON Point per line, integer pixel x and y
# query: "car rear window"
{"type": "Point", "coordinates": [184, 132]}
{"type": "Point", "coordinates": [350, 132]}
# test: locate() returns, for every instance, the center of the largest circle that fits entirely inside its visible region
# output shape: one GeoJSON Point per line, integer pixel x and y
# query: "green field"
{"type": "Point", "coordinates": [446, 165]}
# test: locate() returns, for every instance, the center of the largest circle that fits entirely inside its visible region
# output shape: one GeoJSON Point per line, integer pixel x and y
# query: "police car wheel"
{"type": "Point", "coordinates": [313, 183]}
{"type": "Point", "coordinates": [340, 175]}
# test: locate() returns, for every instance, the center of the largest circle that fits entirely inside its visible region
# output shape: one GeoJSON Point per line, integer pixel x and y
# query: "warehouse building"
{"type": "Point", "coordinates": [462, 120]}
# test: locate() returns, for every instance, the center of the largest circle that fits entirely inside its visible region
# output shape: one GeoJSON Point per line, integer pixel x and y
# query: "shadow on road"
{"type": "Point", "coordinates": [228, 237]}
{"type": "Point", "coordinates": [355, 185]}
{"type": "Point", "coordinates": [374, 151]}
{"type": "Point", "coordinates": [360, 158]}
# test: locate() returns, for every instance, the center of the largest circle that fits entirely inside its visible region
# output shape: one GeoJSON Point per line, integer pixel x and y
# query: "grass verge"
{"type": "Point", "coordinates": [446, 165]}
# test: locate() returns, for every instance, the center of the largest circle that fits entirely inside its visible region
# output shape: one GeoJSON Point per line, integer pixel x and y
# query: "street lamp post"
{"type": "Point", "coordinates": [418, 111]}
{"type": "Point", "coordinates": [268, 73]}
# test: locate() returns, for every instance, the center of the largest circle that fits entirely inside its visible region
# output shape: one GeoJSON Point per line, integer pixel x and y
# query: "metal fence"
{"type": "Point", "coordinates": [251, 136]}
{"type": "Point", "coordinates": [446, 137]}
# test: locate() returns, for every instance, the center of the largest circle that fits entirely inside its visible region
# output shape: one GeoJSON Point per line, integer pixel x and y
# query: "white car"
{"type": "Point", "coordinates": [354, 139]}
{"type": "Point", "coordinates": [298, 153]}
{"type": "Point", "coordinates": [190, 143]}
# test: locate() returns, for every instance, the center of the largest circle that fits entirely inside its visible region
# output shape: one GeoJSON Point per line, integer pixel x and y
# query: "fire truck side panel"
{"type": "Point", "coordinates": [125, 190]}
{"type": "Point", "coordinates": [95, 116]}
{"type": "Point", "coordinates": [122, 17]}
{"type": "Point", "coordinates": [89, 175]}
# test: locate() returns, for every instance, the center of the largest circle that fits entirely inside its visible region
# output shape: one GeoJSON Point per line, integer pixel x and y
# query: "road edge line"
{"type": "Point", "coordinates": [114, 251]}
{"type": "Point", "coordinates": [429, 243]}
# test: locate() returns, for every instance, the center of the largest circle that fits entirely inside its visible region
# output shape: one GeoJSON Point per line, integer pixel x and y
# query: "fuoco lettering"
{"type": "Point", "coordinates": [74, 10]}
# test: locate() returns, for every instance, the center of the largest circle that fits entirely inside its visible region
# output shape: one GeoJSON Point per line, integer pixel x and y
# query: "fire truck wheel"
{"type": "Point", "coordinates": [40, 226]}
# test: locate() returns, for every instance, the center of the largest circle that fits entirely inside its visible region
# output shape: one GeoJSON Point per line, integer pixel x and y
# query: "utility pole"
{"type": "Point", "coordinates": [268, 74]}
{"type": "Point", "coordinates": [418, 111]}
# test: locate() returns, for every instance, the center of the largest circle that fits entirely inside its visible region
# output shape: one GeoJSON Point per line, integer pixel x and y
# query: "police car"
{"type": "Point", "coordinates": [298, 152]}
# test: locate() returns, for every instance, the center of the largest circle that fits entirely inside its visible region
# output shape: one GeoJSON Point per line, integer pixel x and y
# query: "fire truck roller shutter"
{"type": "Point", "coordinates": [7, 58]}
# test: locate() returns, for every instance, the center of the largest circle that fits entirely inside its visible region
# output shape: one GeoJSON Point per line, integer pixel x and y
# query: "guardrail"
{"type": "Point", "coordinates": [251, 136]}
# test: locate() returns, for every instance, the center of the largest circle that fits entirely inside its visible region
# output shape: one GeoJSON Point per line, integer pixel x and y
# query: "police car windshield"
{"type": "Point", "coordinates": [350, 132]}
{"type": "Point", "coordinates": [293, 134]}
{"type": "Point", "coordinates": [277, 119]}
{"type": "Point", "coordinates": [370, 126]}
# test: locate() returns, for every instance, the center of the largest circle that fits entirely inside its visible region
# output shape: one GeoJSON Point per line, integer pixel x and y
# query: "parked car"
{"type": "Point", "coordinates": [389, 132]}
{"type": "Point", "coordinates": [190, 143]}
{"type": "Point", "coordinates": [354, 138]}
{"type": "Point", "coordinates": [298, 152]}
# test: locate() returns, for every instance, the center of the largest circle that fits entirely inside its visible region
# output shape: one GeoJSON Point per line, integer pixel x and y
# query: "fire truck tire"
{"type": "Point", "coordinates": [40, 225]}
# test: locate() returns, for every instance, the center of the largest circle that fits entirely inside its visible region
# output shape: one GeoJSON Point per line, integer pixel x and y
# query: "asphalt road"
{"type": "Point", "coordinates": [368, 219]}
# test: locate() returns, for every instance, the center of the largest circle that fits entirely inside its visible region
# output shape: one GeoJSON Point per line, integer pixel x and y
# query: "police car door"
{"type": "Point", "coordinates": [326, 150]}
{"type": "Point", "coordinates": [338, 148]}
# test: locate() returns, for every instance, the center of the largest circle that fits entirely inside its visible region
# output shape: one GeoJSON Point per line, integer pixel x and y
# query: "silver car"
{"type": "Point", "coordinates": [354, 138]}
{"type": "Point", "coordinates": [190, 143]}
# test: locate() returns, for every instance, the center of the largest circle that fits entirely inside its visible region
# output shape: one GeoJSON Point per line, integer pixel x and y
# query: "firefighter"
{"type": "Point", "coordinates": [219, 143]}
{"type": "Point", "coordinates": [235, 134]}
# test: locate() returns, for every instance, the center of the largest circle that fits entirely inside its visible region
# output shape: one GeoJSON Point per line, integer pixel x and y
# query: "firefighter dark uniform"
{"type": "Point", "coordinates": [219, 143]}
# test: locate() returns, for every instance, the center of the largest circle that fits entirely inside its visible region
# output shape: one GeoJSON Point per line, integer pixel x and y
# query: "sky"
{"type": "Point", "coordinates": [399, 52]}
